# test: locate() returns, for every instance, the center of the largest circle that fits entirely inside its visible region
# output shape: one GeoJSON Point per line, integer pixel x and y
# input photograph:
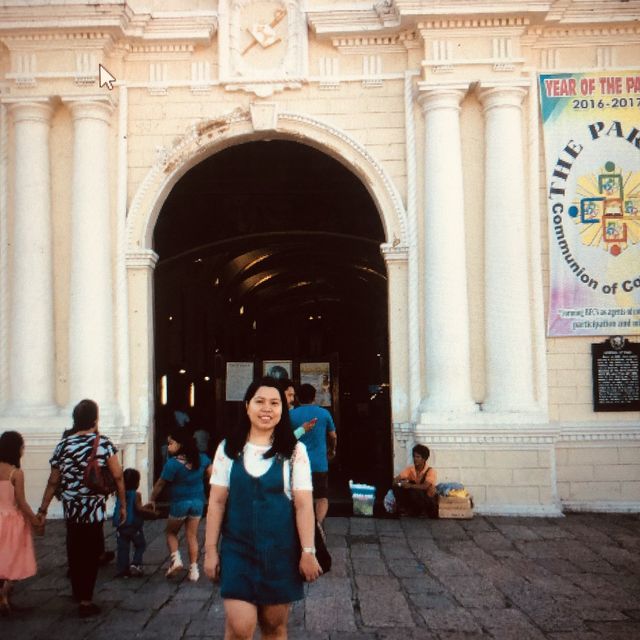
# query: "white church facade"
{"type": "Point", "coordinates": [434, 107]}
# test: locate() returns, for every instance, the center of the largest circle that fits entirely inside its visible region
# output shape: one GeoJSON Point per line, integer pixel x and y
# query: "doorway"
{"type": "Point", "coordinates": [270, 251]}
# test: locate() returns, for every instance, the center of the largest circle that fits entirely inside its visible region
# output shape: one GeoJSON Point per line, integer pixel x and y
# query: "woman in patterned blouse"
{"type": "Point", "coordinates": [84, 510]}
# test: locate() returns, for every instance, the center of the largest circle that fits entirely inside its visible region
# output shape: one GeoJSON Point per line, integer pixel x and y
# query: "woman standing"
{"type": "Point", "coordinates": [185, 472]}
{"type": "Point", "coordinates": [261, 503]}
{"type": "Point", "coordinates": [84, 509]}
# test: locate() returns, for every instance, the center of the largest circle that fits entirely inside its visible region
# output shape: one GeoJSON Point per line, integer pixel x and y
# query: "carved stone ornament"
{"type": "Point", "coordinates": [263, 45]}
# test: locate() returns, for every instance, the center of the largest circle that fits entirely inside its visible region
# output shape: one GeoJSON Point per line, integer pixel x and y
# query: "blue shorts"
{"type": "Point", "coordinates": [190, 508]}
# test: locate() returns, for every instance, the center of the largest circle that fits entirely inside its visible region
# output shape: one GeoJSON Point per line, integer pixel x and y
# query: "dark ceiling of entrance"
{"type": "Point", "coordinates": [264, 231]}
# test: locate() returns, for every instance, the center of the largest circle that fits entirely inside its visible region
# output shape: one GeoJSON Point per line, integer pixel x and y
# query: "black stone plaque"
{"type": "Point", "coordinates": [616, 375]}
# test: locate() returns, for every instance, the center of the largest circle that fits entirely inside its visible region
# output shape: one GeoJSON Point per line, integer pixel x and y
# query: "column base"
{"type": "Point", "coordinates": [34, 410]}
{"type": "Point", "coordinates": [438, 413]}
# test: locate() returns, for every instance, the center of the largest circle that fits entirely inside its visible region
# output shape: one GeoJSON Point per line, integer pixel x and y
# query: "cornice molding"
{"type": "Point", "coordinates": [60, 21]}
{"type": "Point", "coordinates": [572, 11]}
{"type": "Point", "coordinates": [516, 23]}
{"type": "Point", "coordinates": [393, 43]}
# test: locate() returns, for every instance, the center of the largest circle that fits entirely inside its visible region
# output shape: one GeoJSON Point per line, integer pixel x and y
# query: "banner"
{"type": "Point", "coordinates": [592, 148]}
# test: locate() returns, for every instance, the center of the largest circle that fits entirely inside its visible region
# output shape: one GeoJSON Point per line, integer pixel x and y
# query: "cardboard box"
{"type": "Point", "coordinates": [454, 507]}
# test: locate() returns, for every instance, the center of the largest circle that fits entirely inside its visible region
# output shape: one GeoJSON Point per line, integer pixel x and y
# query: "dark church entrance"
{"type": "Point", "coordinates": [270, 253]}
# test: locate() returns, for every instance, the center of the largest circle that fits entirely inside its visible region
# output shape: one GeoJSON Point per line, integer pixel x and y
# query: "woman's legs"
{"type": "Point", "coordinates": [241, 619]}
{"type": "Point", "coordinates": [191, 534]}
{"type": "Point", "coordinates": [273, 619]}
{"type": "Point", "coordinates": [171, 532]}
{"type": "Point", "coordinates": [85, 541]}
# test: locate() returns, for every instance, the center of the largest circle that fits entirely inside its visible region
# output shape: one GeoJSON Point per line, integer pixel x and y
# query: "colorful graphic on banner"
{"type": "Point", "coordinates": [592, 149]}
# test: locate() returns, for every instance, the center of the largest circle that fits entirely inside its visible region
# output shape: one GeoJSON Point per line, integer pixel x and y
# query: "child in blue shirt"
{"type": "Point", "coordinates": [130, 532]}
{"type": "Point", "coordinates": [186, 472]}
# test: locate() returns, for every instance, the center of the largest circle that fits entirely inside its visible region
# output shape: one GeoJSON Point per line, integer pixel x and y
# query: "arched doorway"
{"type": "Point", "coordinates": [270, 251]}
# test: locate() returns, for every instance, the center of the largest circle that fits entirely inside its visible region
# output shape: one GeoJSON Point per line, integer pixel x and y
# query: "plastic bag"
{"type": "Point", "coordinates": [389, 502]}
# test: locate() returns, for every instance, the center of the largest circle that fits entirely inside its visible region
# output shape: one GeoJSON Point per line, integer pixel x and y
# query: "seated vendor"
{"type": "Point", "coordinates": [415, 486]}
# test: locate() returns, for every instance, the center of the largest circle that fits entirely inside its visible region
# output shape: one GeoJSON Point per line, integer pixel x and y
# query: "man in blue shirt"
{"type": "Point", "coordinates": [321, 444]}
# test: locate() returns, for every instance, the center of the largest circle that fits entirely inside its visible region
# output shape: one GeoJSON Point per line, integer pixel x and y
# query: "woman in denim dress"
{"type": "Point", "coordinates": [261, 504]}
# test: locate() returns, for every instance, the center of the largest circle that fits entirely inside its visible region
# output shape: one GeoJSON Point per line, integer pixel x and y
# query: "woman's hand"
{"type": "Point", "coordinates": [309, 566]}
{"type": "Point", "coordinates": [212, 564]}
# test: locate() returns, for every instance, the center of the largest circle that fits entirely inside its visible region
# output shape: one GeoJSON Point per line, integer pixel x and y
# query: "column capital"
{"type": "Point", "coordinates": [90, 107]}
{"type": "Point", "coordinates": [29, 109]}
{"type": "Point", "coordinates": [502, 95]}
{"type": "Point", "coordinates": [394, 252]}
{"type": "Point", "coordinates": [143, 259]}
{"type": "Point", "coordinates": [431, 97]}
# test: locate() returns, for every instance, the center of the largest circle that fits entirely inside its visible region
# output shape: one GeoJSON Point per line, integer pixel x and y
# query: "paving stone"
{"type": "Point", "coordinates": [363, 550]}
{"type": "Point", "coordinates": [448, 530]}
{"type": "Point", "coordinates": [604, 590]}
{"type": "Point", "coordinates": [422, 584]}
{"type": "Point", "coordinates": [616, 630]}
{"type": "Point", "coordinates": [392, 548]}
{"type": "Point", "coordinates": [433, 601]}
{"type": "Point", "coordinates": [329, 613]}
{"type": "Point", "coordinates": [369, 567]}
{"type": "Point", "coordinates": [167, 626]}
{"type": "Point", "coordinates": [456, 619]}
{"type": "Point", "coordinates": [404, 633]}
{"type": "Point", "coordinates": [555, 617]}
{"type": "Point", "coordinates": [303, 634]}
{"type": "Point", "coordinates": [362, 526]}
{"type": "Point", "coordinates": [475, 592]}
{"type": "Point", "coordinates": [205, 628]}
{"type": "Point", "coordinates": [415, 528]}
{"type": "Point", "coordinates": [391, 611]}
{"type": "Point", "coordinates": [492, 540]}
{"type": "Point", "coordinates": [447, 565]}
{"type": "Point", "coordinates": [461, 635]}
{"type": "Point", "coordinates": [389, 529]}
{"type": "Point", "coordinates": [406, 567]}
{"type": "Point", "coordinates": [381, 602]}
{"type": "Point", "coordinates": [423, 547]}
{"type": "Point", "coordinates": [337, 525]}
{"type": "Point", "coordinates": [513, 532]}
{"type": "Point", "coordinates": [507, 624]}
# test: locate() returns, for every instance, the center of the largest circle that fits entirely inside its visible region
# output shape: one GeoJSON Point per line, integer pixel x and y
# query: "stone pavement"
{"type": "Point", "coordinates": [573, 578]}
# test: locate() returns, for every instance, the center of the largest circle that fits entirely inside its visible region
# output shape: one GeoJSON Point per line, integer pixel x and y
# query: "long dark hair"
{"type": "Point", "coordinates": [284, 441]}
{"type": "Point", "coordinates": [10, 444]}
{"type": "Point", "coordinates": [188, 447]}
{"type": "Point", "coordinates": [85, 415]}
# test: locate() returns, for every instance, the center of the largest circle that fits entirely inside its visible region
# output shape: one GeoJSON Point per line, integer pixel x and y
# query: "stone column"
{"type": "Point", "coordinates": [396, 259]}
{"type": "Point", "coordinates": [32, 337]}
{"type": "Point", "coordinates": [91, 337]}
{"type": "Point", "coordinates": [447, 358]}
{"type": "Point", "coordinates": [508, 299]}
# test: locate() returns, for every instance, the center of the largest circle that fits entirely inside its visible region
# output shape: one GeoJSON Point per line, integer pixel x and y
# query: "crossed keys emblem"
{"type": "Point", "coordinates": [265, 34]}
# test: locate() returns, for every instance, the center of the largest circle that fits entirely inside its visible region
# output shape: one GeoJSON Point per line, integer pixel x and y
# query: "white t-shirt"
{"type": "Point", "coordinates": [257, 465]}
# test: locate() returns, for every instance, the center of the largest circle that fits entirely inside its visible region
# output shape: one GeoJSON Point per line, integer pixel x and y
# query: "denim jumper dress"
{"type": "Point", "coordinates": [260, 550]}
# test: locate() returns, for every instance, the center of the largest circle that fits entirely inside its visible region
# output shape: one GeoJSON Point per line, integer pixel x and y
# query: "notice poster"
{"type": "Point", "coordinates": [239, 377]}
{"type": "Point", "coordinates": [592, 149]}
{"type": "Point", "coordinates": [318, 375]}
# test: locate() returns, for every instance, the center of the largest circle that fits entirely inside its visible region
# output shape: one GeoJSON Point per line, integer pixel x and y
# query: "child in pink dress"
{"type": "Point", "coordinates": [17, 557]}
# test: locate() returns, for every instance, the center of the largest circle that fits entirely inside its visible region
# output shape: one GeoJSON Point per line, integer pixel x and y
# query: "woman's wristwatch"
{"type": "Point", "coordinates": [311, 550]}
